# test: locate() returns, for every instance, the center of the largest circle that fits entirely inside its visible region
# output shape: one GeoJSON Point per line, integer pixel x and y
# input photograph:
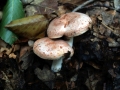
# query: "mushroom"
{"type": "Point", "coordinates": [70, 25]}
{"type": "Point", "coordinates": [49, 49]}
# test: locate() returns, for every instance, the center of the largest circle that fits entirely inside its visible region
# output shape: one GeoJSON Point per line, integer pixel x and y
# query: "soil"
{"type": "Point", "coordinates": [95, 64]}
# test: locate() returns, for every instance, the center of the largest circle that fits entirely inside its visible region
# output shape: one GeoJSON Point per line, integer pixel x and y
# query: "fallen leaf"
{"type": "Point", "coordinates": [45, 74]}
{"type": "Point", "coordinates": [25, 60]}
{"type": "Point", "coordinates": [45, 6]}
{"type": "Point", "coordinates": [62, 10]}
{"type": "Point", "coordinates": [16, 47]}
{"type": "Point", "coordinates": [31, 27]}
{"type": "Point", "coordinates": [2, 43]}
{"type": "Point", "coordinates": [91, 84]}
{"type": "Point", "coordinates": [12, 55]}
{"type": "Point", "coordinates": [6, 50]}
{"type": "Point", "coordinates": [24, 50]}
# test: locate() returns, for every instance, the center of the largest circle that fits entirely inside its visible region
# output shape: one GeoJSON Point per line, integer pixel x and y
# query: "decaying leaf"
{"type": "Point", "coordinates": [62, 10]}
{"type": "Point", "coordinates": [24, 50]}
{"type": "Point", "coordinates": [25, 60]}
{"type": "Point", "coordinates": [12, 11]}
{"type": "Point", "coordinates": [2, 43]}
{"type": "Point", "coordinates": [31, 27]}
{"type": "Point", "coordinates": [45, 6]}
{"type": "Point", "coordinates": [91, 84]}
{"type": "Point", "coordinates": [45, 74]}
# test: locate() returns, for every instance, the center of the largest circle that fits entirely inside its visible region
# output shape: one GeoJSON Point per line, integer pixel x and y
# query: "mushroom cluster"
{"type": "Point", "coordinates": [69, 25]}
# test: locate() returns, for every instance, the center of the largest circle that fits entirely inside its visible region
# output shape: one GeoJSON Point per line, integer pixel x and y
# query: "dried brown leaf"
{"type": "Point", "coordinates": [2, 43]}
{"type": "Point", "coordinates": [24, 49]}
{"type": "Point", "coordinates": [25, 60]}
{"type": "Point", "coordinates": [62, 10]}
{"type": "Point", "coordinates": [46, 6]}
{"type": "Point", "coordinates": [12, 55]}
{"type": "Point", "coordinates": [16, 47]}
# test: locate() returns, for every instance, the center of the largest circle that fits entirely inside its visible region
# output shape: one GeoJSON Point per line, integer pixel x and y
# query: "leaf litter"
{"type": "Point", "coordinates": [94, 66]}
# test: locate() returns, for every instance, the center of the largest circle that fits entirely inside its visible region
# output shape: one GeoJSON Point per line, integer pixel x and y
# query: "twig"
{"type": "Point", "coordinates": [80, 6]}
{"type": "Point", "coordinates": [107, 26]}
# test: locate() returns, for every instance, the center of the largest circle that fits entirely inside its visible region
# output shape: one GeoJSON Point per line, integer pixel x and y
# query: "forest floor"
{"type": "Point", "coordinates": [95, 64]}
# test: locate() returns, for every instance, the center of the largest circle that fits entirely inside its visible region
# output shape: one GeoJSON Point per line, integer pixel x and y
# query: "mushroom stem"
{"type": "Point", "coordinates": [70, 41]}
{"type": "Point", "coordinates": [57, 64]}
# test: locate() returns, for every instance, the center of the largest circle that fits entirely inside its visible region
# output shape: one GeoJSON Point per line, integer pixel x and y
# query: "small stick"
{"type": "Point", "coordinates": [82, 5]}
{"type": "Point", "coordinates": [107, 26]}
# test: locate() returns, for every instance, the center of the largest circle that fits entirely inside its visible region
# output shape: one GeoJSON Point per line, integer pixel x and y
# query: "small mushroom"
{"type": "Point", "coordinates": [49, 49]}
{"type": "Point", "coordinates": [70, 25]}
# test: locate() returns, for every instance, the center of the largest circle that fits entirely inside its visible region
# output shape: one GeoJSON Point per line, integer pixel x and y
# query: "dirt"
{"type": "Point", "coordinates": [95, 64]}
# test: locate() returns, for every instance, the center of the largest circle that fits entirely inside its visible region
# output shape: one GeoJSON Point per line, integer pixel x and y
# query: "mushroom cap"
{"type": "Point", "coordinates": [51, 49]}
{"type": "Point", "coordinates": [70, 25]}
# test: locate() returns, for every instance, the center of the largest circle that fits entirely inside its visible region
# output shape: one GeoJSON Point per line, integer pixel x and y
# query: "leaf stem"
{"type": "Point", "coordinates": [82, 5]}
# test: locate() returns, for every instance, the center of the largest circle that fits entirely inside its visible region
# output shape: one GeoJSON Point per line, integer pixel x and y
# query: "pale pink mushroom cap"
{"type": "Point", "coordinates": [51, 49]}
{"type": "Point", "coordinates": [70, 24]}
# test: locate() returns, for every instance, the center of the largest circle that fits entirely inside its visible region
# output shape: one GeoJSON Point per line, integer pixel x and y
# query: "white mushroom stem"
{"type": "Point", "coordinates": [70, 41]}
{"type": "Point", "coordinates": [57, 64]}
